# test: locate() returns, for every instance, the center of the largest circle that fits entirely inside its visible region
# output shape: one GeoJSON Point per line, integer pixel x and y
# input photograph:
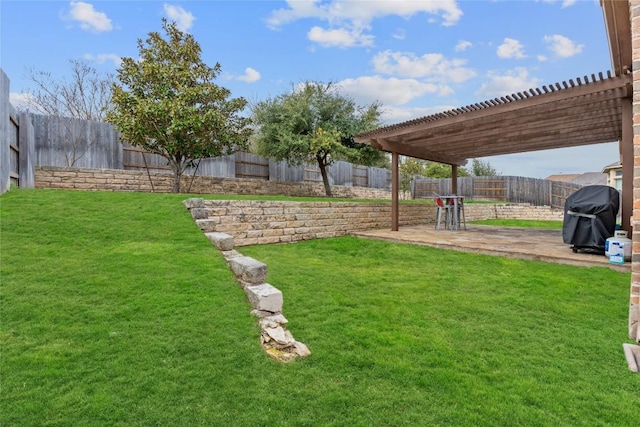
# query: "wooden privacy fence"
{"type": "Point", "coordinates": [514, 189]}
{"type": "Point", "coordinates": [16, 143]}
{"type": "Point", "coordinates": [248, 165]}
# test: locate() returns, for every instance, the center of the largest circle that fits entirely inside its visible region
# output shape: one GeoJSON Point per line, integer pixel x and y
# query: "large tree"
{"type": "Point", "coordinates": [168, 104]}
{"type": "Point", "coordinates": [315, 124]}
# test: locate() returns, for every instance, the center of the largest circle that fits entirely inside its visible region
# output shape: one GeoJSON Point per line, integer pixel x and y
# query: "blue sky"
{"type": "Point", "coordinates": [414, 57]}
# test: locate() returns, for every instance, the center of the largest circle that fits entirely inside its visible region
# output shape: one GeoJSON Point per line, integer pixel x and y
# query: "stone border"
{"type": "Point", "coordinates": [265, 299]}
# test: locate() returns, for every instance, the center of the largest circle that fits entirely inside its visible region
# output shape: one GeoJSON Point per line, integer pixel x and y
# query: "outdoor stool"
{"type": "Point", "coordinates": [443, 209]}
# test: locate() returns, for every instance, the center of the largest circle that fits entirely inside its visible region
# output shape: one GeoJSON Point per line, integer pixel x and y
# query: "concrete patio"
{"type": "Point", "coordinates": [523, 243]}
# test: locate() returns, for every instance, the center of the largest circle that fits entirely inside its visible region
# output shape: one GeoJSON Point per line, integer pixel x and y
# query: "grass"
{"type": "Point", "coordinates": [523, 223]}
{"type": "Point", "coordinates": [116, 310]}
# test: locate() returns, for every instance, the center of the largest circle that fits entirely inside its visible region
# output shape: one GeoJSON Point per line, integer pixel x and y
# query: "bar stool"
{"type": "Point", "coordinates": [442, 209]}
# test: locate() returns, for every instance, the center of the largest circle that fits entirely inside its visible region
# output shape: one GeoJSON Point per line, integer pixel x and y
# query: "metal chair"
{"type": "Point", "coordinates": [445, 209]}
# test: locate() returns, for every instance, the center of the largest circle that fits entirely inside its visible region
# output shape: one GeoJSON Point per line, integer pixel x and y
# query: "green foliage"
{"type": "Point", "coordinates": [440, 170]}
{"type": "Point", "coordinates": [315, 124]}
{"type": "Point", "coordinates": [168, 103]}
{"type": "Point", "coordinates": [409, 168]}
{"type": "Point", "coordinates": [482, 168]}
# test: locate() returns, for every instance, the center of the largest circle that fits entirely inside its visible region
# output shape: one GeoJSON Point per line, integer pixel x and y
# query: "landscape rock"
{"type": "Point", "coordinates": [301, 349]}
{"type": "Point", "coordinates": [199, 213]}
{"type": "Point", "coordinates": [194, 203]}
{"type": "Point", "coordinates": [248, 270]}
{"type": "Point", "coordinates": [277, 334]}
{"type": "Point", "coordinates": [273, 321]}
{"type": "Point", "coordinates": [265, 297]}
{"type": "Point", "coordinates": [222, 241]}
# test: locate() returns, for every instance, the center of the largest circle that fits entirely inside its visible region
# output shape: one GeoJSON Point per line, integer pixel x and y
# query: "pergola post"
{"type": "Point", "coordinates": [454, 179]}
{"type": "Point", "coordinates": [395, 188]}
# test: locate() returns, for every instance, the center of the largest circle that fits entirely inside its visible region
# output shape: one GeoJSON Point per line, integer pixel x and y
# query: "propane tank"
{"type": "Point", "coordinates": [618, 247]}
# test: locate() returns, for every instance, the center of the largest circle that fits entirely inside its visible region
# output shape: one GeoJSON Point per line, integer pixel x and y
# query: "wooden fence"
{"type": "Point", "coordinates": [16, 143]}
{"type": "Point", "coordinates": [252, 166]}
{"type": "Point", "coordinates": [514, 189]}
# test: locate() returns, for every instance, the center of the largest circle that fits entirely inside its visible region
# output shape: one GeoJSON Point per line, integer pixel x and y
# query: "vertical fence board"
{"type": "Point", "coordinates": [224, 166]}
{"type": "Point", "coordinates": [282, 171]}
{"type": "Point", "coordinates": [251, 166]}
{"type": "Point", "coordinates": [378, 177]}
{"type": "Point", "coordinates": [341, 173]}
{"type": "Point", "coordinates": [360, 176]}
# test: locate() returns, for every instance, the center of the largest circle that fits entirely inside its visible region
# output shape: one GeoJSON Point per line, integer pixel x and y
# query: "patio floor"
{"type": "Point", "coordinates": [523, 243]}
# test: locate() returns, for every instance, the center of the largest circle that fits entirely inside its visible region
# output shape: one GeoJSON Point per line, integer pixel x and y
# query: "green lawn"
{"type": "Point", "coordinates": [116, 310]}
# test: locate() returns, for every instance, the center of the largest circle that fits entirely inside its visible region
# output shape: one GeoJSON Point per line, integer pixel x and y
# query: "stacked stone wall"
{"type": "Point", "coordinates": [122, 180]}
{"type": "Point", "coordinates": [263, 222]}
{"type": "Point", "coordinates": [481, 211]}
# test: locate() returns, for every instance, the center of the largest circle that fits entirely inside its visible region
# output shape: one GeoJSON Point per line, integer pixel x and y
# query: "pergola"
{"type": "Point", "coordinates": [588, 110]}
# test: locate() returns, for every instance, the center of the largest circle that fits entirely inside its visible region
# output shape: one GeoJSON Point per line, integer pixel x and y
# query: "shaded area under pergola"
{"type": "Point", "coordinates": [588, 110]}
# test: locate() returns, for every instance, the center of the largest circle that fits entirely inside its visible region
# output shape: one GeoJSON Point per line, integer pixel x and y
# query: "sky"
{"type": "Point", "coordinates": [415, 58]}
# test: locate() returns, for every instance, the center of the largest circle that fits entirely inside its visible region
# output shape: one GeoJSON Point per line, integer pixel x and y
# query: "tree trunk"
{"type": "Point", "coordinates": [178, 167]}
{"type": "Point", "coordinates": [325, 177]}
{"type": "Point", "coordinates": [176, 182]}
{"type": "Point", "coordinates": [177, 175]}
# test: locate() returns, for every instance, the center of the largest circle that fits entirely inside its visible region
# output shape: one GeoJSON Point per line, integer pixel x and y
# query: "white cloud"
{"type": "Point", "coordinates": [348, 20]}
{"type": "Point", "coordinates": [368, 89]}
{"type": "Point", "coordinates": [562, 46]}
{"type": "Point", "coordinates": [339, 37]}
{"type": "Point", "coordinates": [507, 84]}
{"type": "Point", "coordinates": [391, 115]}
{"type": "Point", "coordinates": [20, 100]}
{"type": "Point", "coordinates": [362, 14]}
{"type": "Point", "coordinates": [399, 34]}
{"type": "Point", "coordinates": [250, 75]}
{"type": "Point", "coordinates": [511, 48]}
{"type": "Point", "coordinates": [430, 65]}
{"type": "Point", "coordinates": [563, 3]}
{"type": "Point", "coordinates": [463, 45]}
{"type": "Point", "coordinates": [182, 18]}
{"type": "Point", "coordinates": [101, 58]}
{"type": "Point", "coordinates": [89, 18]}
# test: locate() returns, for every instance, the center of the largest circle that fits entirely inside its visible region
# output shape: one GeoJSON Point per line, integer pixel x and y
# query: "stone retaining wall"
{"type": "Point", "coordinates": [122, 180]}
{"type": "Point", "coordinates": [262, 222]}
{"type": "Point", "coordinates": [480, 211]}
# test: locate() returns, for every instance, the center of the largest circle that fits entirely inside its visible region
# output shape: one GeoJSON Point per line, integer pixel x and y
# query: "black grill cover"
{"type": "Point", "coordinates": [590, 216]}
